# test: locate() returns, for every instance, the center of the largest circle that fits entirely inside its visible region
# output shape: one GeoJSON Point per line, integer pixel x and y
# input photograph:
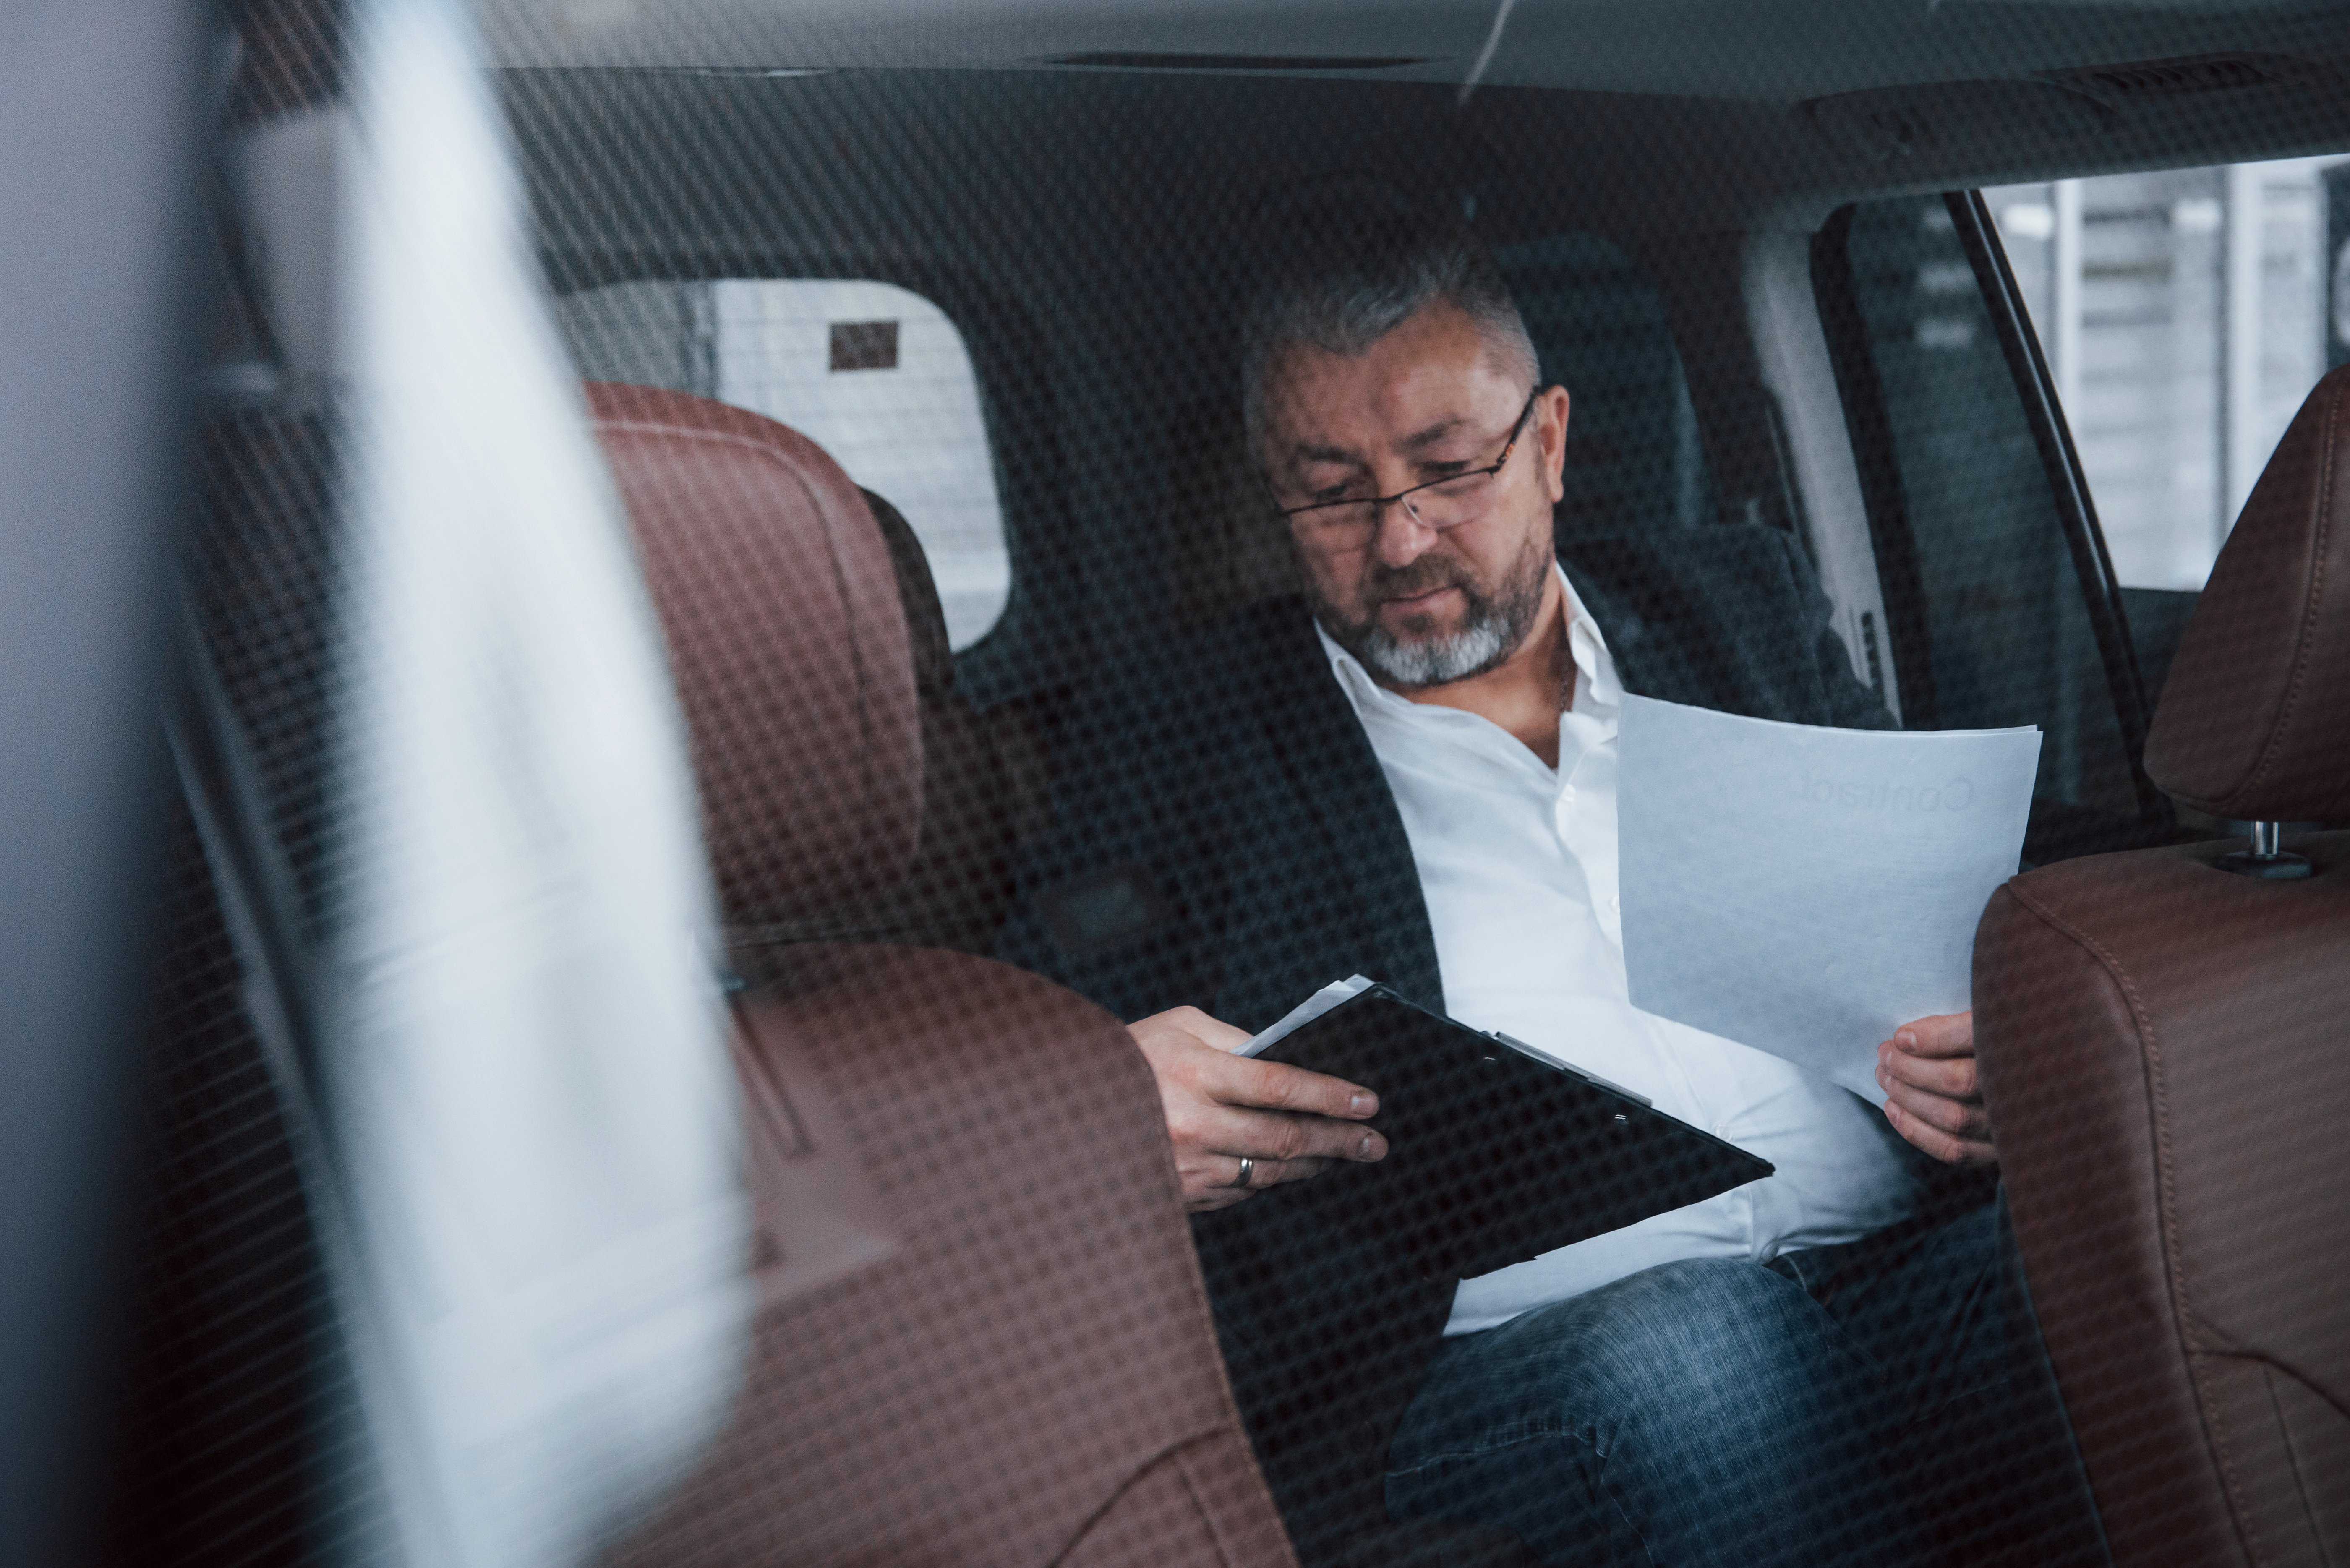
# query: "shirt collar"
{"type": "Point", "coordinates": [1597, 691]}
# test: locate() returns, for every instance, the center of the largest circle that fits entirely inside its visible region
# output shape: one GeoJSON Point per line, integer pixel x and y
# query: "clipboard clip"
{"type": "Point", "coordinates": [1514, 1044]}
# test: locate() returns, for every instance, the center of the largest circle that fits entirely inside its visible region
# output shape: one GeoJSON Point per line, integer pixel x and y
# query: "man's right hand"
{"type": "Point", "coordinates": [1290, 1122]}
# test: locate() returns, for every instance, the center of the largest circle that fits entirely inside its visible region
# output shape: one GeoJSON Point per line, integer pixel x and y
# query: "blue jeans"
{"type": "Point", "coordinates": [1885, 1402]}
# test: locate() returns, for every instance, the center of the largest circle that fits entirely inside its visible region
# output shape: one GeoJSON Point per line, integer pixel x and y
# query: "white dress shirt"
{"type": "Point", "coordinates": [1517, 864]}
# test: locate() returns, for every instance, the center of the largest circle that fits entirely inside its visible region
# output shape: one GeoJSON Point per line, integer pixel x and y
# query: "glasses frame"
{"type": "Point", "coordinates": [1379, 504]}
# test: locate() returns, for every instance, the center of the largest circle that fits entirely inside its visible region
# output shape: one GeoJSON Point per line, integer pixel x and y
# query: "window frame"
{"type": "Point", "coordinates": [1021, 650]}
{"type": "Point", "coordinates": [2076, 512]}
{"type": "Point", "coordinates": [1901, 582]}
{"type": "Point", "coordinates": [1869, 421]}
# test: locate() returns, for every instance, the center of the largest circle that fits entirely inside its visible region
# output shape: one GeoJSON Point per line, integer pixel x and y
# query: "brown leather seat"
{"type": "Point", "coordinates": [982, 1336]}
{"type": "Point", "coordinates": [983, 787]}
{"type": "Point", "coordinates": [983, 791]}
{"type": "Point", "coordinates": [2165, 1052]}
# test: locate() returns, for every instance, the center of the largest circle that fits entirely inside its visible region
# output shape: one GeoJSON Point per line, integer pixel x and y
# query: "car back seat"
{"type": "Point", "coordinates": [2166, 1055]}
{"type": "Point", "coordinates": [983, 1338]}
{"type": "Point", "coordinates": [1227, 548]}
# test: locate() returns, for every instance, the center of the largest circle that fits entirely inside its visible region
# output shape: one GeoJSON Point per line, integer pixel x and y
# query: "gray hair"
{"type": "Point", "coordinates": [1355, 261]}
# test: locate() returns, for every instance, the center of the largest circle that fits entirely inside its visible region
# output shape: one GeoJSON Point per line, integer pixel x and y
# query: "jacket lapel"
{"type": "Point", "coordinates": [1643, 661]}
{"type": "Point", "coordinates": [1331, 779]}
{"type": "Point", "coordinates": [1334, 782]}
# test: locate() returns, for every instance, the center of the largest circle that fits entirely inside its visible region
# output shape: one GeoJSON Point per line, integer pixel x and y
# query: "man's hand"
{"type": "Point", "coordinates": [1933, 1098]}
{"type": "Point", "coordinates": [1290, 1122]}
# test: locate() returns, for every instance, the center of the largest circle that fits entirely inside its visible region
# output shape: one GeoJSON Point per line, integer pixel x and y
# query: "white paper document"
{"type": "Point", "coordinates": [1804, 890]}
{"type": "Point", "coordinates": [1306, 1012]}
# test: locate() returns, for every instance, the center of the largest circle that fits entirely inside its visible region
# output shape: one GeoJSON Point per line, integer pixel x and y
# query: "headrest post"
{"type": "Point", "coordinates": [2265, 860]}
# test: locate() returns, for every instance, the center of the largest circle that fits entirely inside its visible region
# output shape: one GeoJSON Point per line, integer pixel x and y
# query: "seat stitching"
{"type": "Point", "coordinates": [1199, 1505]}
{"type": "Point", "coordinates": [2182, 1310]}
{"type": "Point", "coordinates": [1117, 1493]}
{"type": "Point", "coordinates": [2293, 1464]}
{"type": "Point", "coordinates": [2285, 1369]}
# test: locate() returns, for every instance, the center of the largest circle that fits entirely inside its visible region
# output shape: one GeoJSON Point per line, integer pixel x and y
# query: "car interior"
{"type": "Point", "coordinates": [906, 336]}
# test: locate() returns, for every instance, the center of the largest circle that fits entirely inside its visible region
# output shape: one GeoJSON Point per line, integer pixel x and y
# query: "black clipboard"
{"type": "Point", "coordinates": [1494, 1154]}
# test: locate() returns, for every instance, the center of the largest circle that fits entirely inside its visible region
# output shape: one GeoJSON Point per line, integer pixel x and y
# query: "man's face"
{"type": "Point", "coordinates": [1427, 599]}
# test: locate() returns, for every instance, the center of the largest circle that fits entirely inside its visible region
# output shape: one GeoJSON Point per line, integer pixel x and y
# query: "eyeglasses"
{"type": "Point", "coordinates": [1353, 521]}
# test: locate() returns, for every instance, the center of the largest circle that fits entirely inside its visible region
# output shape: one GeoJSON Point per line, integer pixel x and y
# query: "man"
{"type": "Point", "coordinates": [1411, 776]}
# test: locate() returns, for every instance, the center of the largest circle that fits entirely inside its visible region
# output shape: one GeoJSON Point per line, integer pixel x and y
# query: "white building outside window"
{"type": "Point", "coordinates": [875, 374]}
{"type": "Point", "coordinates": [2185, 314]}
{"type": "Point", "coordinates": [878, 376]}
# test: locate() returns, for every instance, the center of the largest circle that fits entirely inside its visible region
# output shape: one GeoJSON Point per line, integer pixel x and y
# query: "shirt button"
{"type": "Point", "coordinates": [1616, 903]}
{"type": "Point", "coordinates": [1567, 794]}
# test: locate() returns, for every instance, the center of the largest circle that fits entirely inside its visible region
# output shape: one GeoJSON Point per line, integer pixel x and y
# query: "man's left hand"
{"type": "Point", "coordinates": [1933, 1098]}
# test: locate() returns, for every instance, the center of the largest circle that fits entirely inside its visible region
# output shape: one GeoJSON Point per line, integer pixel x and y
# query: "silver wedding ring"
{"type": "Point", "coordinates": [1248, 1170]}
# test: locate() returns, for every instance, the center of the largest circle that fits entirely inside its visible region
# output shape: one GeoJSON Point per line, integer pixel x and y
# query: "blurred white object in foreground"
{"type": "Point", "coordinates": [530, 1096]}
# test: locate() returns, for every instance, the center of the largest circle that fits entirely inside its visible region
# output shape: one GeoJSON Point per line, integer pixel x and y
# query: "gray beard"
{"type": "Point", "coordinates": [1484, 642]}
{"type": "Point", "coordinates": [1495, 628]}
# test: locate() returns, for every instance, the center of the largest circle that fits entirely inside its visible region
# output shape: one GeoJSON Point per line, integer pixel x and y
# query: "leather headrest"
{"type": "Point", "coordinates": [2254, 721]}
{"type": "Point", "coordinates": [918, 595]}
{"type": "Point", "coordinates": [787, 645]}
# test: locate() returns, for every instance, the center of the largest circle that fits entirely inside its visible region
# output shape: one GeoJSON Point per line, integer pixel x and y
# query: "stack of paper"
{"type": "Point", "coordinates": [1306, 1012]}
{"type": "Point", "coordinates": [1807, 891]}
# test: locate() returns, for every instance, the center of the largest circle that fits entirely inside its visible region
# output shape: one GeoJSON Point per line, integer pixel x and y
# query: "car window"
{"type": "Point", "coordinates": [2185, 314]}
{"type": "Point", "coordinates": [875, 374]}
{"type": "Point", "coordinates": [1634, 462]}
{"type": "Point", "coordinates": [1994, 629]}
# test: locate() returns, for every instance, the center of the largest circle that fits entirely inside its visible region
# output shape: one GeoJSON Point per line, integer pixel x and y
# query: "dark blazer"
{"type": "Point", "coordinates": [1225, 837]}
